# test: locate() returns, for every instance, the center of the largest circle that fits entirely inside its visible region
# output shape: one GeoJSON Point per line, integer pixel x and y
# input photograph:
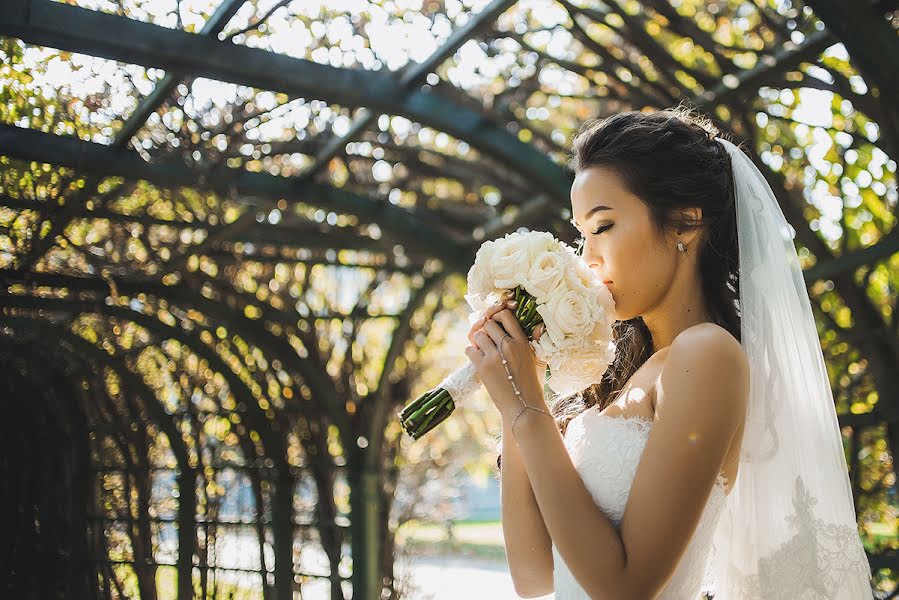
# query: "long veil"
{"type": "Point", "coordinates": [788, 528]}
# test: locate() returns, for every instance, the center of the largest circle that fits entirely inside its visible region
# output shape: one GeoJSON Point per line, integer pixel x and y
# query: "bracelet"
{"type": "Point", "coordinates": [522, 412]}
{"type": "Point", "coordinates": [515, 388]}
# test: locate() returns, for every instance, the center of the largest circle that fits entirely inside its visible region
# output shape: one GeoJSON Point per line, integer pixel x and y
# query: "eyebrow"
{"type": "Point", "coordinates": [590, 213]}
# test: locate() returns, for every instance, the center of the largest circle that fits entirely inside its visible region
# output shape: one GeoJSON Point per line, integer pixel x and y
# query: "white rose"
{"type": "Point", "coordinates": [575, 371]}
{"type": "Point", "coordinates": [539, 352]}
{"type": "Point", "coordinates": [567, 315]}
{"type": "Point", "coordinates": [535, 241]}
{"type": "Point", "coordinates": [545, 274]}
{"type": "Point", "coordinates": [517, 252]}
{"type": "Point", "coordinates": [590, 367]}
{"type": "Point", "coordinates": [605, 300]}
{"type": "Point", "coordinates": [541, 241]}
{"type": "Point", "coordinates": [580, 277]}
{"type": "Point", "coordinates": [601, 333]}
{"type": "Point", "coordinates": [544, 347]}
{"type": "Point", "coordinates": [480, 275]}
{"type": "Point", "coordinates": [562, 384]}
{"type": "Point", "coordinates": [510, 262]}
{"type": "Point", "coordinates": [478, 304]}
{"type": "Point", "coordinates": [557, 361]}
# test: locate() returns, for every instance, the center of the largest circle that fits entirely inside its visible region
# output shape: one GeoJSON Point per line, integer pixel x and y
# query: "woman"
{"type": "Point", "coordinates": [708, 458]}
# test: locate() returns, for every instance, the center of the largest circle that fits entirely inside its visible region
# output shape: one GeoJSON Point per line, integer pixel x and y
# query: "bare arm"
{"type": "Point", "coordinates": [528, 545]}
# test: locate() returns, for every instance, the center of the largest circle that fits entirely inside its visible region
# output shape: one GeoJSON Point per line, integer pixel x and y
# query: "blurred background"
{"type": "Point", "coordinates": [233, 243]}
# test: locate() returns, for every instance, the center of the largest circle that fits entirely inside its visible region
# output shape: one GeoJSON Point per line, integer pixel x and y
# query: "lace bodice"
{"type": "Point", "coordinates": [606, 451]}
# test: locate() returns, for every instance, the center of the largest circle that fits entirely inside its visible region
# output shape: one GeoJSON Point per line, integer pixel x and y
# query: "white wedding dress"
{"type": "Point", "coordinates": [606, 451]}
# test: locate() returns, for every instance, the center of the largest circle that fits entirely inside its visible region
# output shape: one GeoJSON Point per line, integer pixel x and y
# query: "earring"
{"type": "Point", "coordinates": [681, 247]}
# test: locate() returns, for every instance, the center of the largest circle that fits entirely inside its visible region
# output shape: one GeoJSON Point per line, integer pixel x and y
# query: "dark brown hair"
{"type": "Point", "coordinates": [671, 161]}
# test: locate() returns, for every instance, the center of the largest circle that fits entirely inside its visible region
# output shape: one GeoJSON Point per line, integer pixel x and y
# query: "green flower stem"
{"type": "Point", "coordinates": [532, 314]}
{"type": "Point", "coordinates": [432, 403]}
{"type": "Point", "coordinates": [439, 416]}
{"type": "Point", "coordinates": [519, 311]}
{"type": "Point", "coordinates": [415, 407]}
{"type": "Point", "coordinates": [407, 410]}
{"type": "Point", "coordinates": [447, 409]}
{"type": "Point", "coordinates": [430, 417]}
{"type": "Point", "coordinates": [426, 403]}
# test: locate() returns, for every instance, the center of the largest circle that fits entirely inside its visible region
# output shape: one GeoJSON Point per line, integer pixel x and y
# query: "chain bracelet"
{"type": "Point", "coordinates": [515, 388]}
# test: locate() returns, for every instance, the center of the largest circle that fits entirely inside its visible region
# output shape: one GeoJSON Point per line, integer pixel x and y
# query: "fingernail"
{"type": "Point", "coordinates": [513, 303]}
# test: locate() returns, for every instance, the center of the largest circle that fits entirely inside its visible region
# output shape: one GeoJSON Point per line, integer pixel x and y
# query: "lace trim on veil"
{"type": "Point", "coordinates": [814, 560]}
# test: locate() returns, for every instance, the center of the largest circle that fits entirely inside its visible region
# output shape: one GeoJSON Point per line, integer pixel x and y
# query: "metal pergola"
{"type": "Point", "coordinates": [163, 264]}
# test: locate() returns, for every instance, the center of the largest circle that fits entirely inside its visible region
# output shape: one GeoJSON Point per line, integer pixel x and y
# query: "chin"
{"type": "Point", "coordinates": [623, 315]}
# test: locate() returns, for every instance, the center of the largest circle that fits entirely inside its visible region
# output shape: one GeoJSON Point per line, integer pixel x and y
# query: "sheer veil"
{"type": "Point", "coordinates": [788, 527]}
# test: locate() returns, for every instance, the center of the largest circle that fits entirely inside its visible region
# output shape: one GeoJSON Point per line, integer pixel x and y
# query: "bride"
{"type": "Point", "coordinates": [708, 460]}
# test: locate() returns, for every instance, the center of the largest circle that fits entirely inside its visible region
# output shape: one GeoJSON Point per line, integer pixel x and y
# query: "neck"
{"type": "Point", "coordinates": [681, 308]}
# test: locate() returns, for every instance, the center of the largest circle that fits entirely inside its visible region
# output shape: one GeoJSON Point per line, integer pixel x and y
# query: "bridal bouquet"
{"type": "Point", "coordinates": [553, 286]}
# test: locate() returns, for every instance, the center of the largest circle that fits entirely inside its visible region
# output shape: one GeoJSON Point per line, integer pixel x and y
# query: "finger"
{"type": "Point", "coordinates": [488, 312]}
{"type": "Point", "coordinates": [511, 325]}
{"type": "Point", "coordinates": [495, 331]}
{"type": "Point", "coordinates": [495, 308]}
{"type": "Point", "coordinates": [473, 354]}
{"type": "Point", "coordinates": [475, 328]}
{"type": "Point", "coordinates": [487, 315]}
{"type": "Point", "coordinates": [538, 331]}
{"type": "Point", "coordinates": [485, 344]}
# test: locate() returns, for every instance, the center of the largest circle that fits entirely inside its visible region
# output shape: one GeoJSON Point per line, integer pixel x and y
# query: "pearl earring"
{"type": "Point", "coordinates": [681, 247]}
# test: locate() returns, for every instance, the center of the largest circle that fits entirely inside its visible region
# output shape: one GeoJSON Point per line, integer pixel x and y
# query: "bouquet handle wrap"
{"type": "Point", "coordinates": [462, 383]}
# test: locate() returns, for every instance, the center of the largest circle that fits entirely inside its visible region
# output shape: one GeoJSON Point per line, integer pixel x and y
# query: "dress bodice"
{"type": "Point", "coordinates": [606, 451]}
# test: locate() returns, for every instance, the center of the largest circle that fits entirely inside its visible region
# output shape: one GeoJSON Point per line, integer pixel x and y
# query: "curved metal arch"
{"type": "Point", "coordinates": [77, 29]}
{"type": "Point", "coordinates": [282, 501]}
{"type": "Point", "coordinates": [189, 339]}
{"type": "Point", "coordinates": [73, 366]}
{"type": "Point", "coordinates": [93, 158]}
{"type": "Point", "coordinates": [135, 121]}
{"type": "Point", "coordinates": [82, 350]}
{"type": "Point", "coordinates": [367, 474]}
{"type": "Point", "coordinates": [44, 381]}
{"type": "Point", "coordinates": [187, 499]}
{"type": "Point", "coordinates": [253, 331]}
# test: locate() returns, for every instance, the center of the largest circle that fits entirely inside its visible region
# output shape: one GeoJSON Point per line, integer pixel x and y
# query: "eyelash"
{"type": "Point", "coordinates": [598, 231]}
{"type": "Point", "coordinates": [579, 243]}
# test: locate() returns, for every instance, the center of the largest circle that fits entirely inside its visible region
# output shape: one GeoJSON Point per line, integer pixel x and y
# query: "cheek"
{"type": "Point", "coordinates": [627, 256]}
{"type": "Point", "coordinates": [636, 265]}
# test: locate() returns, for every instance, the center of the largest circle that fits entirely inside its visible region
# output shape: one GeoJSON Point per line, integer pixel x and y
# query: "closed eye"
{"type": "Point", "coordinates": [579, 243]}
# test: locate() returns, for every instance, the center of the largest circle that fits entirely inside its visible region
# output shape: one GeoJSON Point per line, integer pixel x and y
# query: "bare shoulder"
{"type": "Point", "coordinates": [707, 340]}
{"type": "Point", "coordinates": [706, 357]}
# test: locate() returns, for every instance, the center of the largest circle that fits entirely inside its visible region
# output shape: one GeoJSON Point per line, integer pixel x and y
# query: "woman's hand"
{"type": "Point", "coordinates": [486, 336]}
{"type": "Point", "coordinates": [506, 302]}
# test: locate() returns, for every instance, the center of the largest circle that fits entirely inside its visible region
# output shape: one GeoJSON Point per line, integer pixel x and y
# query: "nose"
{"type": "Point", "coordinates": [594, 263]}
{"type": "Point", "coordinates": [591, 256]}
{"type": "Point", "coordinates": [592, 259]}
